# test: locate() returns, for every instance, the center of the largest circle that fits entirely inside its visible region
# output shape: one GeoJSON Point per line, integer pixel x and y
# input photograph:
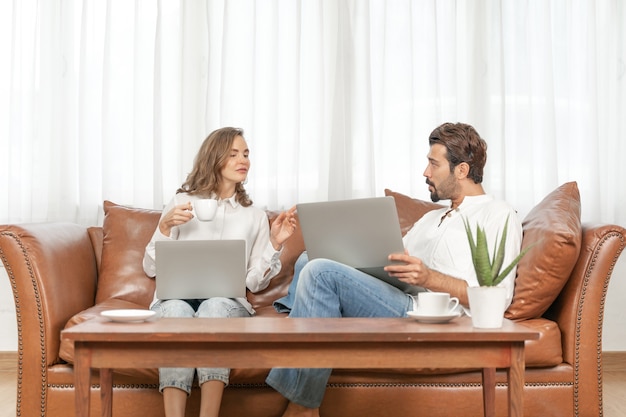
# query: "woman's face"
{"type": "Point", "coordinates": [237, 165]}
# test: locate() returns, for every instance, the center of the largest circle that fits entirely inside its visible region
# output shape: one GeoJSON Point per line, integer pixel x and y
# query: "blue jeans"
{"type": "Point", "coordinates": [284, 304]}
{"type": "Point", "coordinates": [330, 289]}
{"type": "Point", "coordinates": [182, 378]}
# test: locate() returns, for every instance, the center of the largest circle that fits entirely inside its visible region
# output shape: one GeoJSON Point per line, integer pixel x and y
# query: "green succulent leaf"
{"type": "Point", "coordinates": [483, 263]}
{"type": "Point", "coordinates": [488, 271]}
{"type": "Point", "coordinates": [498, 257]}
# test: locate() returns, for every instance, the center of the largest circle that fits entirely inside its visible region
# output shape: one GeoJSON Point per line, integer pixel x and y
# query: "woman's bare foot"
{"type": "Point", "coordinates": [296, 410]}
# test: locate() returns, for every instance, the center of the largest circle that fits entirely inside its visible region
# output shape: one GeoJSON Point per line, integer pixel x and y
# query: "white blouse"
{"type": "Point", "coordinates": [232, 221]}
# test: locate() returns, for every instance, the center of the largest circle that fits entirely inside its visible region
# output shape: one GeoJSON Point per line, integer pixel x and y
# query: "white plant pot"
{"type": "Point", "coordinates": [487, 305]}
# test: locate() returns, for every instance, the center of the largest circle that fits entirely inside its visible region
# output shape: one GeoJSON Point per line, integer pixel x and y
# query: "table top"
{"type": "Point", "coordinates": [281, 329]}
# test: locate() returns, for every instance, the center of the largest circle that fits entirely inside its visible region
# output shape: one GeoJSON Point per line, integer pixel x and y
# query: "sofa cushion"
{"type": "Point", "coordinates": [126, 232]}
{"type": "Point", "coordinates": [121, 281]}
{"type": "Point", "coordinates": [554, 227]}
{"type": "Point", "coordinates": [548, 349]}
{"type": "Point", "coordinates": [410, 209]}
{"type": "Point", "coordinates": [66, 350]}
{"type": "Point", "coordinates": [279, 285]}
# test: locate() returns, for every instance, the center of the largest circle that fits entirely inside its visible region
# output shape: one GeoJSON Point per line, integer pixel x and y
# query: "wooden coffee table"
{"type": "Point", "coordinates": [262, 342]}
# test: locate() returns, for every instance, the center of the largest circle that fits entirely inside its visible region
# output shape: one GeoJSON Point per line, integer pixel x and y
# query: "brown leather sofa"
{"type": "Point", "coordinates": [62, 274]}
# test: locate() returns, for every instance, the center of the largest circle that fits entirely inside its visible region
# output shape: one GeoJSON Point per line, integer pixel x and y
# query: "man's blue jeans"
{"type": "Point", "coordinates": [330, 289]}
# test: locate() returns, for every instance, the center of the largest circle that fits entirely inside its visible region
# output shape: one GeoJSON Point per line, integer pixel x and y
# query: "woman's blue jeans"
{"type": "Point", "coordinates": [182, 378]}
{"type": "Point", "coordinates": [329, 289]}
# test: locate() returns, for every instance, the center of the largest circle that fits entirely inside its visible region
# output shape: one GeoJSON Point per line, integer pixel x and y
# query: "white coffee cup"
{"type": "Point", "coordinates": [205, 209]}
{"type": "Point", "coordinates": [436, 304]}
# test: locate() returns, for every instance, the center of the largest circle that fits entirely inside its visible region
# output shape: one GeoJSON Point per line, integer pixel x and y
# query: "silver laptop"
{"type": "Point", "coordinates": [188, 269]}
{"type": "Point", "coordinates": [360, 233]}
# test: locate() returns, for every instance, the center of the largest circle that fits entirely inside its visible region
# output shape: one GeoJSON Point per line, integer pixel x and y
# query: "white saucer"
{"type": "Point", "coordinates": [128, 315]}
{"type": "Point", "coordinates": [433, 319]}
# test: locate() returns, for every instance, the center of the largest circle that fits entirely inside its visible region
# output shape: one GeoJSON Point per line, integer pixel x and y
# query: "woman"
{"type": "Point", "coordinates": [220, 170]}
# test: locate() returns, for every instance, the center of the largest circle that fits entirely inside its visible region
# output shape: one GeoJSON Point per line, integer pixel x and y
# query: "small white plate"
{"type": "Point", "coordinates": [128, 315]}
{"type": "Point", "coordinates": [433, 319]}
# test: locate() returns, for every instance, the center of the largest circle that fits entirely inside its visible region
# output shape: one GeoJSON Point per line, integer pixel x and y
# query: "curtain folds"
{"type": "Point", "coordinates": [111, 99]}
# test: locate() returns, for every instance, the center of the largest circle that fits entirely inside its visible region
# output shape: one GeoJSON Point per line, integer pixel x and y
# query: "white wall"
{"type": "Point", "coordinates": [614, 333]}
{"type": "Point", "coordinates": [8, 321]}
{"type": "Point", "coordinates": [614, 330]}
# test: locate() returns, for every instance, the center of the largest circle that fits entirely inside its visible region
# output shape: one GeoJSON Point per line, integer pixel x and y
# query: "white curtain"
{"type": "Point", "coordinates": [111, 99]}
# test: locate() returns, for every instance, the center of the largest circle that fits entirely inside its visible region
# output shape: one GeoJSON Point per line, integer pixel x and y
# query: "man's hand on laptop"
{"type": "Point", "coordinates": [413, 271]}
{"type": "Point", "coordinates": [408, 269]}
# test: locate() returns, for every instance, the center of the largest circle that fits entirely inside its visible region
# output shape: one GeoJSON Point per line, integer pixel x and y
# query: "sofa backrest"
{"type": "Point", "coordinates": [119, 247]}
{"type": "Point", "coordinates": [553, 226]}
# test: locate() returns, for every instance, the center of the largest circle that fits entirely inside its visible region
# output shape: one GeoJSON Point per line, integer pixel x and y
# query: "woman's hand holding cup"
{"type": "Point", "coordinates": [178, 215]}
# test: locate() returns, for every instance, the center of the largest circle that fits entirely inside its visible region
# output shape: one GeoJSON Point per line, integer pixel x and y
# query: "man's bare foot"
{"type": "Point", "coordinates": [296, 410]}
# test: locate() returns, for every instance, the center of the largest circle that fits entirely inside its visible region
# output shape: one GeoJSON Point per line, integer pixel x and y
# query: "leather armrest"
{"type": "Point", "coordinates": [579, 310]}
{"type": "Point", "coordinates": [52, 269]}
{"type": "Point", "coordinates": [579, 307]}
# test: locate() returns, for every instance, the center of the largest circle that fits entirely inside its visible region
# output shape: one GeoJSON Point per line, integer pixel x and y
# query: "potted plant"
{"type": "Point", "coordinates": [487, 301]}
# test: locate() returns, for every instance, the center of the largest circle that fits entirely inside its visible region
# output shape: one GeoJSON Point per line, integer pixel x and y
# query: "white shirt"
{"type": "Point", "coordinates": [232, 221]}
{"type": "Point", "coordinates": [443, 246]}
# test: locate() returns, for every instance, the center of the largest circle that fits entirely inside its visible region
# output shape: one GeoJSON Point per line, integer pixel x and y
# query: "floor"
{"type": "Point", "coordinates": [8, 380]}
{"type": "Point", "coordinates": [614, 384]}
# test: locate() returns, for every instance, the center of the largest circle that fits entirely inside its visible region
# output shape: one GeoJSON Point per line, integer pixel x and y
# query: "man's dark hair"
{"type": "Point", "coordinates": [463, 144]}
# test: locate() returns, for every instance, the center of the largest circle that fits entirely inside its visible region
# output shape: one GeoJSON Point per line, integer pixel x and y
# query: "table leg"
{"type": "Point", "coordinates": [515, 375]}
{"type": "Point", "coordinates": [489, 392]}
{"type": "Point", "coordinates": [82, 374]}
{"type": "Point", "coordinates": [106, 391]}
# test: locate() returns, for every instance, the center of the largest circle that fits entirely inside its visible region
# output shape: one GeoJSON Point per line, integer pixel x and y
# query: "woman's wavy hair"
{"type": "Point", "coordinates": [206, 176]}
{"type": "Point", "coordinates": [463, 144]}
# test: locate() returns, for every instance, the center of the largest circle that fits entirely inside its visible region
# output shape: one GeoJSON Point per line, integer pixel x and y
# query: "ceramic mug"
{"type": "Point", "coordinates": [436, 304]}
{"type": "Point", "coordinates": [205, 209]}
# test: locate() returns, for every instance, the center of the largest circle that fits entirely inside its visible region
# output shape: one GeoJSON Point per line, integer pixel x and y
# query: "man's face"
{"type": "Point", "coordinates": [442, 183]}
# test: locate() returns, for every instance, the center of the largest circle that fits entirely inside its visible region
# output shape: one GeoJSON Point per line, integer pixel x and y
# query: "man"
{"type": "Point", "coordinates": [437, 257]}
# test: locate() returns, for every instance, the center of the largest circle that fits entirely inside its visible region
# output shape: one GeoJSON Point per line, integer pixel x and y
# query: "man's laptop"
{"type": "Point", "coordinates": [189, 269]}
{"type": "Point", "coordinates": [360, 233]}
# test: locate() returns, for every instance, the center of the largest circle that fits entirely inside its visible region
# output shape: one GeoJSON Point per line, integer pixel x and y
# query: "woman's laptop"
{"type": "Point", "coordinates": [360, 233]}
{"type": "Point", "coordinates": [188, 269]}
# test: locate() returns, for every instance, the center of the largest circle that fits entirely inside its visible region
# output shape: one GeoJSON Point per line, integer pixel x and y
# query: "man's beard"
{"type": "Point", "coordinates": [445, 191]}
{"type": "Point", "coordinates": [434, 195]}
